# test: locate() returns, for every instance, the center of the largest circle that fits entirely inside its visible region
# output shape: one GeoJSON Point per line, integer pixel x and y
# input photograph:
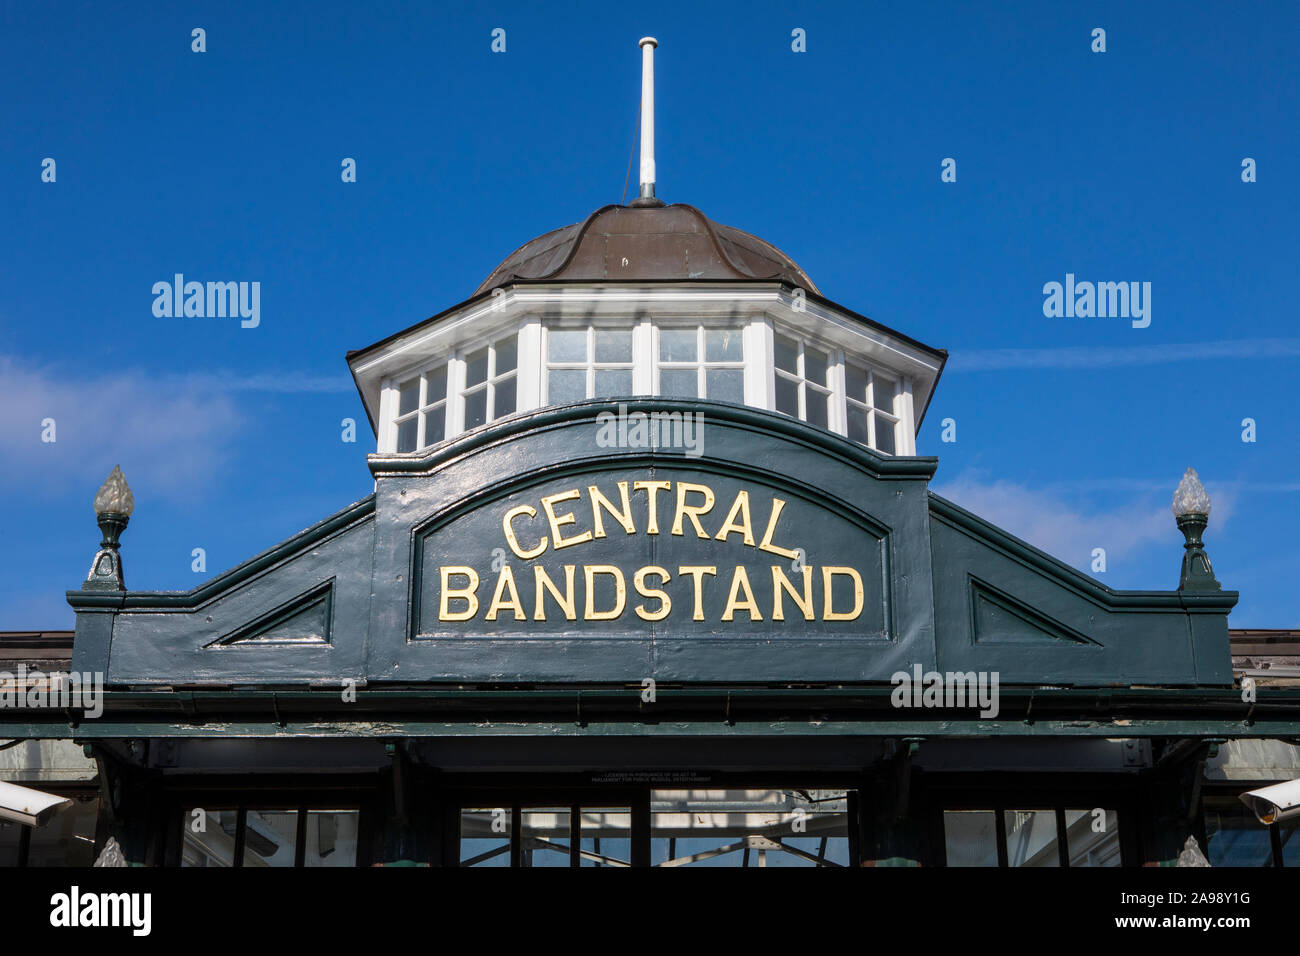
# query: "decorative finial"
{"type": "Point", "coordinates": [647, 197]}
{"type": "Point", "coordinates": [113, 506]}
{"type": "Point", "coordinates": [114, 496]}
{"type": "Point", "coordinates": [1191, 509]}
{"type": "Point", "coordinates": [1190, 496]}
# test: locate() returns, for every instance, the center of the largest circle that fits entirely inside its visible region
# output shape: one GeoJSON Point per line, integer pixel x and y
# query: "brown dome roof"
{"type": "Point", "coordinates": [647, 243]}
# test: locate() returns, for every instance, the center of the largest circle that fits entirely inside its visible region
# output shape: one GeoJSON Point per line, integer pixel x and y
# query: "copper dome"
{"type": "Point", "coordinates": [645, 242]}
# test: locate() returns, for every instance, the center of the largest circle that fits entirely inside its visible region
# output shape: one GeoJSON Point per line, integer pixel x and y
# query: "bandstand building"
{"type": "Point", "coordinates": [652, 575]}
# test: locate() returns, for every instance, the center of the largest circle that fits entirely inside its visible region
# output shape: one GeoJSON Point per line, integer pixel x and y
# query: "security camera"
{"type": "Point", "coordinates": [32, 807]}
{"type": "Point", "coordinates": [1272, 804]}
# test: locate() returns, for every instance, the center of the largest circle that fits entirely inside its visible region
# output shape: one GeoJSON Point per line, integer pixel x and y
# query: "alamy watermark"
{"type": "Point", "coordinates": [1102, 300]}
{"type": "Point", "coordinates": [212, 300]}
{"type": "Point", "coordinates": [948, 689]}
{"type": "Point", "coordinates": [683, 430]}
{"type": "Point", "coordinates": [57, 690]}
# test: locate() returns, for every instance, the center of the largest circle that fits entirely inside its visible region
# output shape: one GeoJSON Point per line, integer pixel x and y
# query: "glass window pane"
{"type": "Point", "coordinates": [971, 837]}
{"type": "Point", "coordinates": [814, 365]}
{"type": "Point", "coordinates": [476, 408]}
{"type": "Point", "coordinates": [884, 435]}
{"type": "Point", "coordinates": [485, 836]}
{"type": "Point", "coordinates": [566, 385]}
{"type": "Point", "coordinates": [1235, 837]}
{"type": "Point", "coordinates": [209, 837]}
{"type": "Point", "coordinates": [613, 345]}
{"type": "Point", "coordinates": [678, 345]}
{"type": "Point", "coordinates": [331, 838]}
{"type": "Point", "coordinates": [1031, 838]}
{"type": "Point", "coordinates": [544, 837]}
{"type": "Point", "coordinates": [503, 402]}
{"type": "Point", "coordinates": [407, 435]}
{"type": "Point", "coordinates": [435, 425]}
{"type": "Point", "coordinates": [743, 828]}
{"type": "Point", "coordinates": [566, 345]}
{"type": "Point", "coordinates": [725, 384]}
{"type": "Point", "coordinates": [723, 345]}
{"type": "Point", "coordinates": [613, 381]}
{"type": "Point", "coordinates": [435, 389]}
{"type": "Point", "coordinates": [270, 837]}
{"type": "Point", "coordinates": [606, 838]}
{"type": "Point", "coordinates": [1092, 838]}
{"type": "Point", "coordinates": [787, 354]}
{"type": "Point", "coordinates": [10, 835]}
{"type": "Point", "coordinates": [883, 398]}
{"type": "Point", "coordinates": [855, 382]}
{"type": "Point", "coordinates": [858, 424]}
{"type": "Point", "coordinates": [476, 367]}
{"type": "Point", "coordinates": [817, 404]}
{"type": "Point", "coordinates": [408, 396]}
{"type": "Point", "coordinates": [68, 839]}
{"type": "Point", "coordinates": [787, 396]}
{"type": "Point", "coordinates": [507, 355]}
{"type": "Point", "coordinates": [679, 382]}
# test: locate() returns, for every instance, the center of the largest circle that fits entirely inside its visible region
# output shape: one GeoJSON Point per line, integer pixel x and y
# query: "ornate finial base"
{"type": "Point", "coordinates": [106, 570]}
{"type": "Point", "coordinates": [1197, 575]}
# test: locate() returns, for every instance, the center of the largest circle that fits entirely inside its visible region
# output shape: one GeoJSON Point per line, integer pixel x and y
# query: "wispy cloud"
{"type": "Point", "coordinates": [1068, 524]}
{"type": "Point", "coordinates": [173, 434]}
{"type": "Point", "coordinates": [1092, 357]}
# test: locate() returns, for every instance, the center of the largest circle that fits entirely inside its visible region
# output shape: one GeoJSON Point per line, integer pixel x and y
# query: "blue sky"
{"type": "Point", "coordinates": [1123, 165]}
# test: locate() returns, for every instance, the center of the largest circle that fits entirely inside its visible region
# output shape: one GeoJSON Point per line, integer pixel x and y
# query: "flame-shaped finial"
{"type": "Point", "coordinates": [115, 497]}
{"type": "Point", "coordinates": [1190, 497]}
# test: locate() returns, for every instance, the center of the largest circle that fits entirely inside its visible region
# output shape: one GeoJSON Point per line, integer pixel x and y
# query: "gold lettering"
{"type": "Point", "coordinates": [740, 580]}
{"type": "Point", "coordinates": [543, 583]}
{"type": "Point", "coordinates": [465, 594]}
{"type": "Point", "coordinates": [684, 488]}
{"type": "Point", "coordinates": [781, 583]}
{"type": "Point", "coordinates": [652, 489]}
{"type": "Point", "coordinates": [510, 533]}
{"type": "Point", "coordinates": [665, 602]}
{"type": "Point", "coordinates": [828, 583]}
{"type": "Point", "coordinates": [505, 581]}
{"type": "Point", "coordinates": [697, 571]}
{"type": "Point", "coordinates": [767, 545]}
{"type": "Point", "coordinates": [620, 592]}
{"type": "Point", "coordinates": [599, 501]}
{"type": "Point", "coordinates": [741, 507]}
{"type": "Point", "coordinates": [557, 522]}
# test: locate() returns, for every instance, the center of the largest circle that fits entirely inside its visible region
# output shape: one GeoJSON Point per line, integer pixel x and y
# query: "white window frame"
{"type": "Point", "coordinates": [392, 393]}
{"type": "Point", "coordinates": [489, 384]}
{"type": "Point", "coordinates": [590, 365]}
{"type": "Point", "coordinates": [833, 390]}
{"type": "Point", "coordinates": [873, 408]}
{"type": "Point", "coordinates": [702, 364]}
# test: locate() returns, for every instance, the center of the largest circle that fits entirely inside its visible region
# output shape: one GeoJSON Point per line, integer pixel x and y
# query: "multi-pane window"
{"type": "Point", "coordinates": [870, 405]}
{"type": "Point", "coordinates": [703, 358]}
{"type": "Point", "coordinates": [290, 837]}
{"type": "Point", "coordinates": [802, 380]}
{"type": "Point", "coordinates": [1052, 837]}
{"type": "Point", "coordinates": [702, 362]}
{"type": "Point", "coordinates": [491, 373]}
{"type": "Point", "coordinates": [422, 409]}
{"type": "Point", "coordinates": [573, 835]}
{"type": "Point", "coordinates": [587, 362]}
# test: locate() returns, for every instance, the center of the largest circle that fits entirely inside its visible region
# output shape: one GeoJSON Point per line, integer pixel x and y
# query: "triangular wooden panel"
{"type": "Point", "coordinates": [998, 618]}
{"type": "Point", "coordinates": [305, 620]}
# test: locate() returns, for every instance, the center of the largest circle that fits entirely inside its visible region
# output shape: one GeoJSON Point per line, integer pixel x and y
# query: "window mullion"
{"type": "Point", "coordinates": [455, 410]}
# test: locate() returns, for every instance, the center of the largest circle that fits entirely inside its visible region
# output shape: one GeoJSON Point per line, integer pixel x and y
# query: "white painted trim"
{"type": "Point", "coordinates": [905, 433]}
{"type": "Point", "coordinates": [645, 357]}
